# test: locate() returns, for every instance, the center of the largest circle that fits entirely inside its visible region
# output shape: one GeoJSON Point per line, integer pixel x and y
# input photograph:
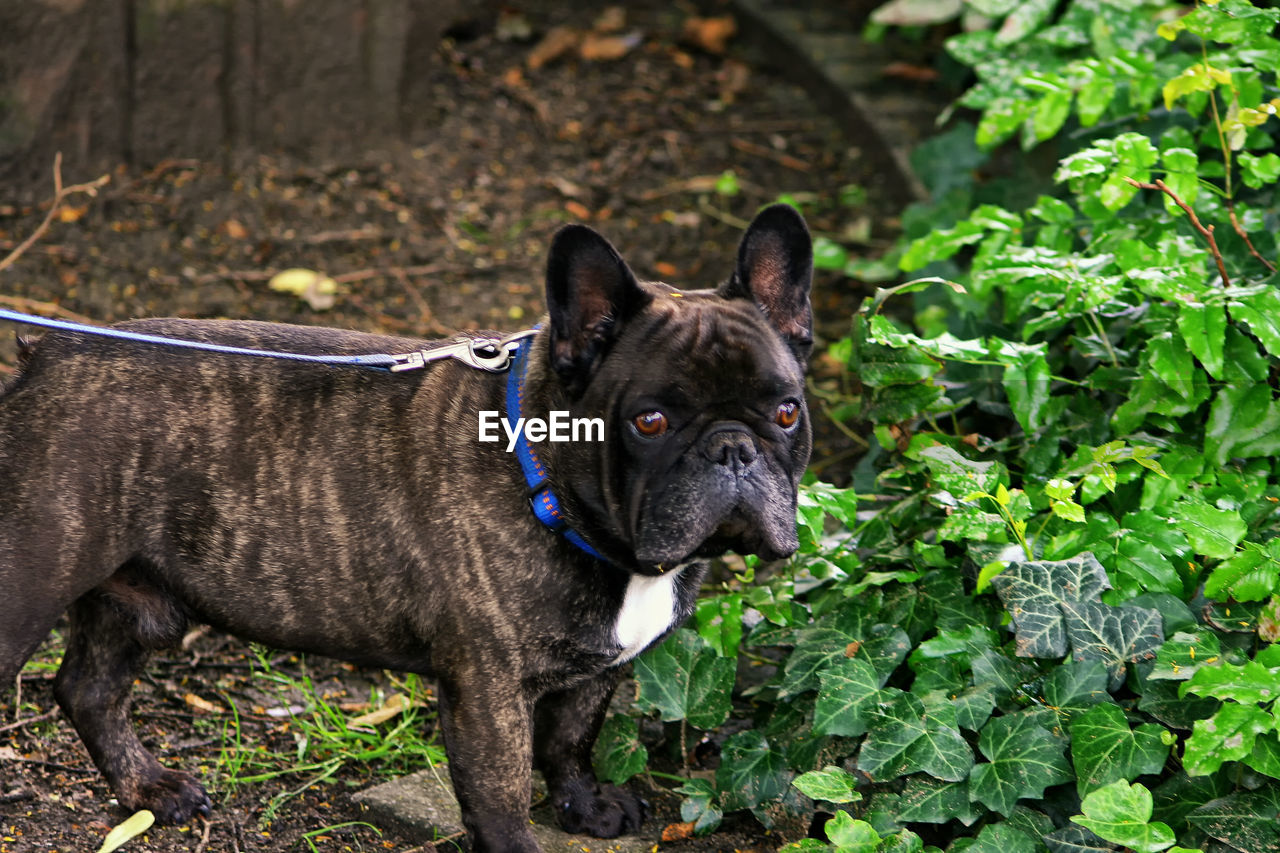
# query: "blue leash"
{"type": "Point", "coordinates": [493, 355]}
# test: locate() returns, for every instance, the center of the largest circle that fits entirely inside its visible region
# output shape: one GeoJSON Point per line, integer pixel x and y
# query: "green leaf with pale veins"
{"type": "Point", "coordinates": [1121, 813]}
{"type": "Point", "coordinates": [904, 739]}
{"type": "Point", "coordinates": [849, 691]}
{"type": "Point", "coordinates": [685, 679]}
{"type": "Point", "coordinates": [1002, 838]}
{"type": "Point", "coordinates": [1248, 682]}
{"type": "Point", "coordinates": [928, 800]}
{"type": "Point", "coordinates": [1117, 636]}
{"type": "Point", "coordinates": [752, 771]}
{"type": "Point", "coordinates": [1077, 839]}
{"type": "Point", "coordinates": [817, 649]}
{"type": "Point", "coordinates": [1074, 687]}
{"type": "Point", "coordinates": [618, 754]}
{"type": "Point", "coordinates": [1104, 749]}
{"type": "Point", "coordinates": [1033, 593]}
{"type": "Point", "coordinates": [1248, 820]}
{"type": "Point", "coordinates": [832, 784]}
{"type": "Point", "coordinates": [1228, 735]}
{"type": "Point", "coordinates": [1024, 757]}
{"type": "Point", "coordinates": [1184, 653]}
{"type": "Point", "coordinates": [851, 836]}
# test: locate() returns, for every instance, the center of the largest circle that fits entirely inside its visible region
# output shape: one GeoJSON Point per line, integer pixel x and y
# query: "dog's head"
{"type": "Point", "coordinates": [701, 393]}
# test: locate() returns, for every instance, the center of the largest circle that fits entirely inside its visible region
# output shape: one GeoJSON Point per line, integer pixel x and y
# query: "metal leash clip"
{"type": "Point", "coordinates": [491, 354]}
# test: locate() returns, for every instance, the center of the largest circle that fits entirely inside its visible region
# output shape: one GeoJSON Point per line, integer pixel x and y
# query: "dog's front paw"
{"type": "Point", "coordinates": [605, 811]}
{"type": "Point", "coordinates": [173, 797]}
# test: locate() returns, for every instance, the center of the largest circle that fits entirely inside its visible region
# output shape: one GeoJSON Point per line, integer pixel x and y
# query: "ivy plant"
{"type": "Point", "coordinates": [1043, 616]}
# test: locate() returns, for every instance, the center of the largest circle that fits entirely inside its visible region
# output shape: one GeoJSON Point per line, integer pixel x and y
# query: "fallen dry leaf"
{"type": "Point", "coordinates": [666, 270]}
{"type": "Point", "coordinates": [313, 288]}
{"type": "Point", "coordinates": [136, 824]}
{"type": "Point", "coordinates": [201, 704]}
{"type": "Point", "coordinates": [709, 34]}
{"type": "Point", "coordinates": [556, 43]}
{"type": "Point", "coordinates": [578, 209]}
{"type": "Point", "coordinates": [68, 213]}
{"type": "Point", "coordinates": [395, 704]}
{"type": "Point", "coordinates": [598, 48]}
{"type": "Point", "coordinates": [234, 230]}
{"type": "Point", "coordinates": [677, 832]}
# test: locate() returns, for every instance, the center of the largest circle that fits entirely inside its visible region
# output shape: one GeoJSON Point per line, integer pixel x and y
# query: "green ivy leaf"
{"type": "Point", "coordinates": [1074, 687]}
{"type": "Point", "coordinates": [618, 754]}
{"type": "Point", "coordinates": [849, 690]}
{"type": "Point", "coordinates": [1026, 382]}
{"type": "Point", "coordinates": [831, 784]}
{"type": "Point", "coordinates": [1184, 653]}
{"type": "Point", "coordinates": [928, 800]}
{"type": "Point", "coordinates": [1002, 838]}
{"type": "Point", "coordinates": [1033, 593]}
{"type": "Point", "coordinates": [699, 806]}
{"type": "Point", "coordinates": [685, 679]}
{"type": "Point", "coordinates": [751, 772]}
{"type": "Point", "coordinates": [1104, 749]}
{"type": "Point", "coordinates": [903, 739]}
{"type": "Point", "coordinates": [1121, 813]}
{"type": "Point", "coordinates": [1024, 758]}
{"type": "Point", "coordinates": [1227, 736]}
{"type": "Point", "coordinates": [719, 621]}
{"type": "Point", "coordinates": [1077, 839]}
{"type": "Point", "coordinates": [1247, 820]}
{"type": "Point", "coordinates": [1213, 532]}
{"type": "Point", "coordinates": [851, 836]}
{"type": "Point", "coordinates": [1247, 682]}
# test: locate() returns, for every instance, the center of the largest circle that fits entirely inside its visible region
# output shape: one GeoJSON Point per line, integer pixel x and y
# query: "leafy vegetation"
{"type": "Point", "coordinates": [1042, 618]}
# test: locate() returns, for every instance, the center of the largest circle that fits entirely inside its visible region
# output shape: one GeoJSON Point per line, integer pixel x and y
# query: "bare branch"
{"type": "Point", "coordinates": [59, 193]}
{"type": "Point", "coordinates": [1195, 221]}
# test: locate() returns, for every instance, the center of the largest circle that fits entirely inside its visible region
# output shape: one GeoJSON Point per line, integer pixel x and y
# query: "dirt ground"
{"type": "Point", "coordinates": [447, 232]}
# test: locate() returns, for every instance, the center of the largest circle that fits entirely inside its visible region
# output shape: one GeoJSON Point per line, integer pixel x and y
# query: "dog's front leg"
{"type": "Point", "coordinates": [565, 727]}
{"type": "Point", "coordinates": [488, 735]}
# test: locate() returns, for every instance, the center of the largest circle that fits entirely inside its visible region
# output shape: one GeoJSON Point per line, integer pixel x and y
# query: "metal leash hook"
{"type": "Point", "coordinates": [491, 354]}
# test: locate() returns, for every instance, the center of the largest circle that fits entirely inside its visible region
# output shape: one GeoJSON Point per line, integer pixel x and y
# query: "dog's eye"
{"type": "Point", "coordinates": [787, 415]}
{"type": "Point", "coordinates": [650, 424]}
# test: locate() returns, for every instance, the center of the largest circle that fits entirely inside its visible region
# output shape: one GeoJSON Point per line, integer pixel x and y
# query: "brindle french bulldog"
{"type": "Point", "coordinates": [355, 513]}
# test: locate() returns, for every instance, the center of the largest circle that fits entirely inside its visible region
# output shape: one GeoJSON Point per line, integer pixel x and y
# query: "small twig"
{"type": "Point", "coordinates": [1235, 223]}
{"type": "Point", "coordinates": [47, 715]}
{"type": "Point", "coordinates": [59, 193]}
{"type": "Point", "coordinates": [1195, 221]}
{"type": "Point", "coordinates": [748, 147]}
{"type": "Point", "coordinates": [204, 838]}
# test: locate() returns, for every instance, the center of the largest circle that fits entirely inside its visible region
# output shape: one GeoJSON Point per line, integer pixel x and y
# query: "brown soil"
{"type": "Point", "coordinates": [446, 232]}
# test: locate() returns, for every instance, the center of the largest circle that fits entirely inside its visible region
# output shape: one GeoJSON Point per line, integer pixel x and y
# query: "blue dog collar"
{"type": "Point", "coordinates": [545, 504]}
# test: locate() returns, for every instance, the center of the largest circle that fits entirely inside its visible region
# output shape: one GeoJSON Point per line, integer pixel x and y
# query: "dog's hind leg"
{"type": "Point", "coordinates": [113, 628]}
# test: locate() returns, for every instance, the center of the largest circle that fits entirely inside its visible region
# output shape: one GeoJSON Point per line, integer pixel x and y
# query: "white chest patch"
{"type": "Point", "coordinates": [647, 611]}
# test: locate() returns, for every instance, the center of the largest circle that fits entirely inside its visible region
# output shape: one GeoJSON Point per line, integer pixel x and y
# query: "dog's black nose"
{"type": "Point", "coordinates": [731, 446]}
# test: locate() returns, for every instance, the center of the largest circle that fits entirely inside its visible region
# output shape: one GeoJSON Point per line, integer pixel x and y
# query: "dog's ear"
{"type": "Point", "coordinates": [591, 293]}
{"type": "Point", "coordinates": [775, 270]}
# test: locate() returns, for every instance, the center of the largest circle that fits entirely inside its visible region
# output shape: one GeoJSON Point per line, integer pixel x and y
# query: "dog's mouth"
{"type": "Point", "coordinates": [739, 533]}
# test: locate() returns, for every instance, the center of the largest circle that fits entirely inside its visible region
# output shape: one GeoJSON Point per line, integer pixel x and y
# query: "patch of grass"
{"type": "Point", "coordinates": [326, 737]}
